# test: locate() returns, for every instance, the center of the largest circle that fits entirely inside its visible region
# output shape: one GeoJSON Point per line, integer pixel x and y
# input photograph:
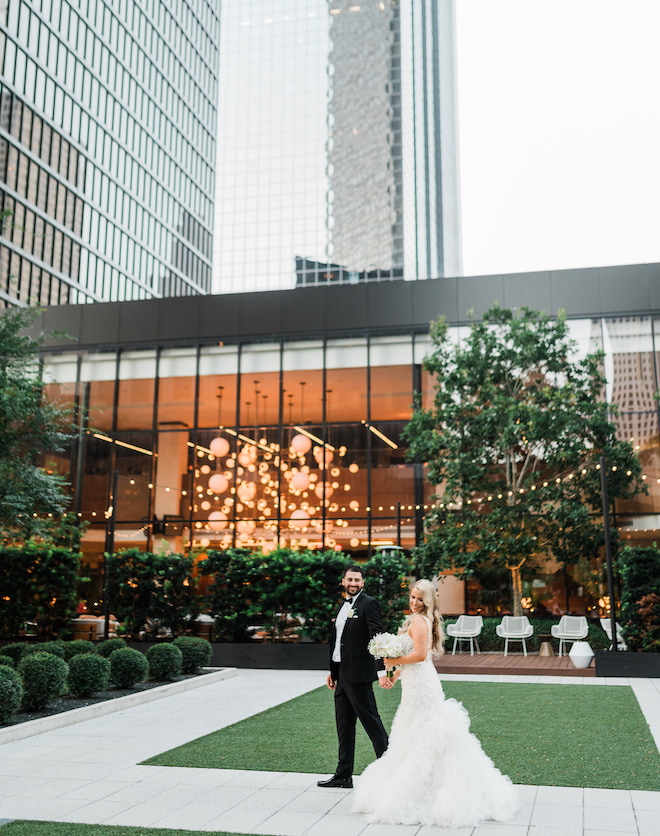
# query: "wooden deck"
{"type": "Point", "coordinates": [514, 663]}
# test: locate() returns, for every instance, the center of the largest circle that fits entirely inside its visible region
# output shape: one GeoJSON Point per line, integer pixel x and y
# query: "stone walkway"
{"type": "Point", "coordinates": [88, 772]}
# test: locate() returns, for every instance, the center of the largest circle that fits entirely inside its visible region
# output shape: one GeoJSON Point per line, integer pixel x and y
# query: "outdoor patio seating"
{"type": "Point", "coordinates": [92, 627]}
{"type": "Point", "coordinates": [606, 624]}
{"type": "Point", "coordinates": [516, 629]}
{"type": "Point", "coordinates": [571, 628]}
{"type": "Point", "coordinates": [467, 628]}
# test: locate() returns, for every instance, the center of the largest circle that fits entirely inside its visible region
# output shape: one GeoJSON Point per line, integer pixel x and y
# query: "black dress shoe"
{"type": "Point", "coordinates": [343, 783]}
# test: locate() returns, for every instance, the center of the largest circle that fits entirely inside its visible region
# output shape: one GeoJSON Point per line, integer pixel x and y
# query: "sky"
{"type": "Point", "coordinates": [559, 120]}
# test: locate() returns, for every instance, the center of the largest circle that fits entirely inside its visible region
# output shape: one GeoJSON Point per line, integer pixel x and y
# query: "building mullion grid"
{"type": "Point", "coordinates": [418, 467]}
{"type": "Point", "coordinates": [191, 476]}
{"type": "Point", "coordinates": [368, 440]}
{"type": "Point", "coordinates": [154, 448]}
{"type": "Point", "coordinates": [324, 432]}
{"type": "Point", "coordinates": [138, 119]}
{"type": "Point", "coordinates": [280, 441]}
{"type": "Point", "coordinates": [234, 443]}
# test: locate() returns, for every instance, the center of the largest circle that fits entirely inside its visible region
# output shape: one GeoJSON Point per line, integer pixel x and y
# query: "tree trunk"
{"type": "Point", "coordinates": [516, 583]}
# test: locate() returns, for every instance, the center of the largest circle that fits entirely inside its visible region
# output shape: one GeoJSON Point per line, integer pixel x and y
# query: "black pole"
{"type": "Point", "coordinates": [398, 524]}
{"type": "Point", "coordinates": [109, 548]}
{"type": "Point", "coordinates": [608, 550]}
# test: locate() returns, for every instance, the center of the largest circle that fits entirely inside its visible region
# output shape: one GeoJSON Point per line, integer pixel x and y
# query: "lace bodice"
{"type": "Point", "coordinates": [419, 680]}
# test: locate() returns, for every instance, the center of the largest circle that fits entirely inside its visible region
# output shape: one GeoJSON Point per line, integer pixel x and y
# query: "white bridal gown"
{"type": "Point", "coordinates": [434, 771]}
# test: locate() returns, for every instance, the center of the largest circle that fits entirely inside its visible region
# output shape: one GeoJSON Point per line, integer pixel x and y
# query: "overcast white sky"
{"type": "Point", "coordinates": [559, 114]}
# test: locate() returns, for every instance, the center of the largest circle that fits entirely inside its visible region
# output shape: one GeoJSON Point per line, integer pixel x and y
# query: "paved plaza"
{"type": "Point", "coordinates": [89, 772]}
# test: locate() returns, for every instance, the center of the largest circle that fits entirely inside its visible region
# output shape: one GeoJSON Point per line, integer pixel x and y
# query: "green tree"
{"type": "Point", "coordinates": [31, 427]}
{"type": "Point", "coordinates": [513, 441]}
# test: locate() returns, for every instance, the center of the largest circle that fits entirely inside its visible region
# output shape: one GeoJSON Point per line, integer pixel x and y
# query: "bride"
{"type": "Point", "coordinates": [434, 771]}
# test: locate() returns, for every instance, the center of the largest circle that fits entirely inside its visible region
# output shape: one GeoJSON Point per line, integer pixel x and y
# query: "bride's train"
{"type": "Point", "coordinates": [434, 771]}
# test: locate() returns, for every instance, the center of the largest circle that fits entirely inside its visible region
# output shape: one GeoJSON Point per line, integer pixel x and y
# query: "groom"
{"type": "Point", "coordinates": [352, 672]}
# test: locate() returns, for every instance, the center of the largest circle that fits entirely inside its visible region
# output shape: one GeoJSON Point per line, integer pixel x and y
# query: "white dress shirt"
{"type": "Point", "coordinates": [340, 623]}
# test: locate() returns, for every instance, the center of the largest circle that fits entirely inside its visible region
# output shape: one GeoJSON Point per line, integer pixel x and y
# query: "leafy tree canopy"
{"type": "Point", "coordinates": [30, 428]}
{"type": "Point", "coordinates": [513, 440]}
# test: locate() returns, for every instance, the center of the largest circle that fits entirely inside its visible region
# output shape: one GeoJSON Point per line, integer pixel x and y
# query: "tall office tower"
{"type": "Point", "coordinates": [107, 149]}
{"type": "Point", "coordinates": [337, 156]}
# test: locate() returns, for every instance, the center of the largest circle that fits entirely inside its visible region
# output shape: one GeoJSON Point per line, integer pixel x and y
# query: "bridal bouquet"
{"type": "Point", "coordinates": [386, 646]}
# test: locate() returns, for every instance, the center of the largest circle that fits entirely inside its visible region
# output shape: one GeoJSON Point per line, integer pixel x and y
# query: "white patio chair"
{"type": "Point", "coordinates": [606, 624]}
{"type": "Point", "coordinates": [571, 628]}
{"type": "Point", "coordinates": [514, 629]}
{"type": "Point", "coordinates": [467, 628]}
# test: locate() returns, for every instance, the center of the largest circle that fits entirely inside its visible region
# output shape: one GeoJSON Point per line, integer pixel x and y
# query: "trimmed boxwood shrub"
{"type": "Point", "coordinates": [15, 651]}
{"type": "Point", "coordinates": [88, 674]}
{"type": "Point", "coordinates": [11, 693]}
{"type": "Point", "coordinates": [128, 667]}
{"type": "Point", "coordinates": [196, 653]}
{"type": "Point", "coordinates": [44, 677]}
{"type": "Point", "coordinates": [54, 648]}
{"type": "Point", "coordinates": [77, 647]}
{"type": "Point", "coordinates": [165, 661]}
{"type": "Point", "coordinates": [109, 646]}
{"type": "Point", "coordinates": [7, 661]}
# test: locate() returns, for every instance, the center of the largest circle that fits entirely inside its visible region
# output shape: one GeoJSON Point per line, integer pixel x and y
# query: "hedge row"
{"type": "Point", "coordinates": [149, 591]}
{"type": "Point", "coordinates": [282, 591]}
{"type": "Point", "coordinates": [38, 584]}
{"type": "Point", "coordinates": [31, 676]}
{"type": "Point", "coordinates": [639, 569]}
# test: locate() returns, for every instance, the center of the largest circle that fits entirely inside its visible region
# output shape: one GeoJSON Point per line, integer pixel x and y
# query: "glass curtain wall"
{"type": "Point", "coordinates": [295, 443]}
{"type": "Point", "coordinates": [257, 445]}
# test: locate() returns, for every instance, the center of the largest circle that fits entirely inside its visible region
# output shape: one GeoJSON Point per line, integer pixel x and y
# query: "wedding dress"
{"type": "Point", "coordinates": [434, 771]}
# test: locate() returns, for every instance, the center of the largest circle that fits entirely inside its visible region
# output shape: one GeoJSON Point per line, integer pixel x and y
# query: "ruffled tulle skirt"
{"type": "Point", "coordinates": [434, 771]}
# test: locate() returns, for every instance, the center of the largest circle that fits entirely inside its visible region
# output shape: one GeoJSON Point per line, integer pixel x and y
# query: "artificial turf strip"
{"type": "Point", "coordinates": [22, 827]}
{"type": "Point", "coordinates": [556, 735]}
{"type": "Point", "coordinates": [563, 735]}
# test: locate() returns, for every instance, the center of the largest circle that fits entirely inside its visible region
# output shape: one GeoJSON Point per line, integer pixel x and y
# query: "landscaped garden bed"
{"type": "Point", "coordinates": [70, 703]}
{"type": "Point", "coordinates": [48, 678]}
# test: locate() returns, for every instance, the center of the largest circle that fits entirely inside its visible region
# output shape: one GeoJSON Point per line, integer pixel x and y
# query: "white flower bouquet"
{"type": "Point", "coordinates": [386, 646]}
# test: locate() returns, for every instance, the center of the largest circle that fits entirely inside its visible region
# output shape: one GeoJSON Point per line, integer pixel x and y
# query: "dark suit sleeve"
{"type": "Point", "coordinates": [374, 619]}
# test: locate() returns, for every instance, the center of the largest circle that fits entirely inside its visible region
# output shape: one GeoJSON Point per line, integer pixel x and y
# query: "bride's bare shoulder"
{"type": "Point", "coordinates": [417, 624]}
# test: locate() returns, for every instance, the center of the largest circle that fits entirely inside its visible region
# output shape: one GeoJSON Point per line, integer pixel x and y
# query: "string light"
{"type": "Point", "coordinates": [439, 506]}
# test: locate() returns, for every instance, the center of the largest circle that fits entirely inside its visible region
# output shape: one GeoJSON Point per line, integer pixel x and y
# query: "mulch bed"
{"type": "Point", "coordinates": [67, 703]}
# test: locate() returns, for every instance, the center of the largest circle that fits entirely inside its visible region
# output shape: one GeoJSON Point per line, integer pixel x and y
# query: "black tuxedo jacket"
{"type": "Point", "coordinates": [357, 664]}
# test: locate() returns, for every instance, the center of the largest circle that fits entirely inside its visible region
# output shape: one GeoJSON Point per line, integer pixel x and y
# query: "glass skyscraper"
{"type": "Point", "coordinates": [337, 143]}
{"type": "Point", "coordinates": [107, 149]}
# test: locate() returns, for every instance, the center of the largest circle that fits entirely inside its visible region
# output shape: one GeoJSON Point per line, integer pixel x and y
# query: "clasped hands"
{"type": "Point", "coordinates": [389, 681]}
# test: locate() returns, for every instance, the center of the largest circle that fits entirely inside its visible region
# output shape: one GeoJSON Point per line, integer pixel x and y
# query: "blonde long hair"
{"type": "Point", "coordinates": [431, 611]}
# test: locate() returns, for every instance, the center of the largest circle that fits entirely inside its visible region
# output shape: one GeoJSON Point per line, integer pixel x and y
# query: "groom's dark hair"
{"type": "Point", "coordinates": [354, 568]}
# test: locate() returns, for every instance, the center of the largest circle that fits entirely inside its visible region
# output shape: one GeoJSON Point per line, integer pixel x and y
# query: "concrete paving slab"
{"type": "Point", "coordinates": [90, 772]}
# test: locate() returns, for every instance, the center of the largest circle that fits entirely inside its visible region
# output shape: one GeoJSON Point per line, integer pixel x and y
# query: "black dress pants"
{"type": "Point", "coordinates": [356, 701]}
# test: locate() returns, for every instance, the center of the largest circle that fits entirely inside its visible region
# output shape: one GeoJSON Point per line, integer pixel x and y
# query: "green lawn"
{"type": "Point", "coordinates": [558, 735]}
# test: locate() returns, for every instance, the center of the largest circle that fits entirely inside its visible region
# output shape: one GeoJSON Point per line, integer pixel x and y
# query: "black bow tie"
{"type": "Point", "coordinates": [350, 600]}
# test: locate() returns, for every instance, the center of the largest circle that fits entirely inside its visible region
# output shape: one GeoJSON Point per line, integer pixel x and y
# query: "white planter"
{"type": "Point", "coordinates": [581, 654]}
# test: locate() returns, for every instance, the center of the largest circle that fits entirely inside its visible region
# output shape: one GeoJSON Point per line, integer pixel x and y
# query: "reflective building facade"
{"type": "Point", "coordinates": [107, 149]}
{"type": "Point", "coordinates": [265, 419]}
{"type": "Point", "coordinates": [337, 143]}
